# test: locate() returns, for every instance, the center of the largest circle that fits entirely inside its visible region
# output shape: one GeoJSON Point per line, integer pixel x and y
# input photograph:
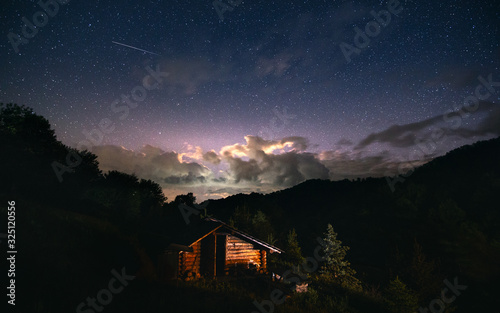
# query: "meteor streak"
{"type": "Point", "coordinates": [122, 44]}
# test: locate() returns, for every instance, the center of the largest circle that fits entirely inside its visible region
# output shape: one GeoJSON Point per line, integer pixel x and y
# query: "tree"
{"type": "Point", "coordinates": [121, 197]}
{"type": "Point", "coordinates": [242, 218]}
{"type": "Point", "coordinates": [22, 122]}
{"type": "Point", "coordinates": [151, 195]}
{"type": "Point", "coordinates": [261, 227]}
{"type": "Point", "coordinates": [422, 272]}
{"type": "Point", "coordinates": [28, 144]}
{"type": "Point", "coordinates": [399, 298]}
{"type": "Point", "coordinates": [35, 153]}
{"type": "Point", "coordinates": [336, 267]}
{"type": "Point", "coordinates": [188, 199]}
{"type": "Point", "coordinates": [293, 252]}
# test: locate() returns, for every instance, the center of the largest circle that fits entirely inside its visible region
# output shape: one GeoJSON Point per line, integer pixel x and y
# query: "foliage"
{"type": "Point", "coordinates": [242, 218]}
{"type": "Point", "coordinates": [293, 252]}
{"type": "Point", "coordinates": [447, 212]}
{"type": "Point", "coordinates": [399, 298]}
{"type": "Point", "coordinates": [423, 274]}
{"type": "Point", "coordinates": [257, 224]}
{"type": "Point", "coordinates": [188, 199]}
{"type": "Point", "coordinates": [336, 268]}
{"type": "Point", "coordinates": [23, 122]}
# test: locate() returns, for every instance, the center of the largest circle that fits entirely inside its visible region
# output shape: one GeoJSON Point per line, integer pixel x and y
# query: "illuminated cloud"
{"type": "Point", "coordinates": [151, 163]}
{"type": "Point", "coordinates": [193, 153]}
{"type": "Point", "coordinates": [256, 145]}
{"type": "Point", "coordinates": [258, 165]}
{"type": "Point", "coordinates": [275, 162]}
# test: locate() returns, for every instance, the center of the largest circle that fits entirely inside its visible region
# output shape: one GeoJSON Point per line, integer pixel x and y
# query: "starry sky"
{"type": "Point", "coordinates": [230, 96]}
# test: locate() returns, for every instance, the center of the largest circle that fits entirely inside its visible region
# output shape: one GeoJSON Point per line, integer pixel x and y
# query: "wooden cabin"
{"type": "Point", "coordinates": [214, 249]}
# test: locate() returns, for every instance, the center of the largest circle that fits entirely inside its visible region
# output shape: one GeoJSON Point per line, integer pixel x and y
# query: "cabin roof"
{"type": "Point", "coordinates": [207, 226]}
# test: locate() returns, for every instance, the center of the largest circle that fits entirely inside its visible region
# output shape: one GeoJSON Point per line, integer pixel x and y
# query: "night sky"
{"type": "Point", "coordinates": [261, 95]}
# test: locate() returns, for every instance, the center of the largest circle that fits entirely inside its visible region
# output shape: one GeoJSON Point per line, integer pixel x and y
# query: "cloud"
{"type": "Point", "coordinates": [192, 152]}
{"type": "Point", "coordinates": [256, 145]}
{"type": "Point", "coordinates": [219, 180]}
{"type": "Point", "coordinates": [184, 179]}
{"type": "Point", "coordinates": [211, 157]}
{"type": "Point", "coordinates": [151, 163]}
{"type": "Point", "coordinates": [344, 142]}
{"type": "Point", "coordinates": [351, 165]}
{"type": "Point", "coordinates": [399, 135]}
{"type": "Point", "coordinates": [404, 136]}
{"type": "Point", "coordinates": [259, 165]}
{"type": "Point", "coordinates": [275, 162]}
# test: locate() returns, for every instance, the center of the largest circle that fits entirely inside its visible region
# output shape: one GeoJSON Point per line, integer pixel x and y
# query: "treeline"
{"type": "Point", "coordinates": [38, 167]}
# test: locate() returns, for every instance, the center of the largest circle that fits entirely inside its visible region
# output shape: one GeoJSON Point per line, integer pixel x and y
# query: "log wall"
{"type": "Point", "coordinates": [190, 261]}
{"type": "Point", "coordinates": [239, 251]}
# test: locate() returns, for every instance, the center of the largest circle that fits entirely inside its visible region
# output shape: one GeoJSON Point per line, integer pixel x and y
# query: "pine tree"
{"type": "Point", "coordinates": [399, 298]}
{"type": "Point", "coordinates": [336, 268]}
{"type": "Point", "coordinates": [260, 225]}
{"type": "Point", "coordinates": [242, 218]}
{"type": "Point", "coordinates": [293, 251]}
